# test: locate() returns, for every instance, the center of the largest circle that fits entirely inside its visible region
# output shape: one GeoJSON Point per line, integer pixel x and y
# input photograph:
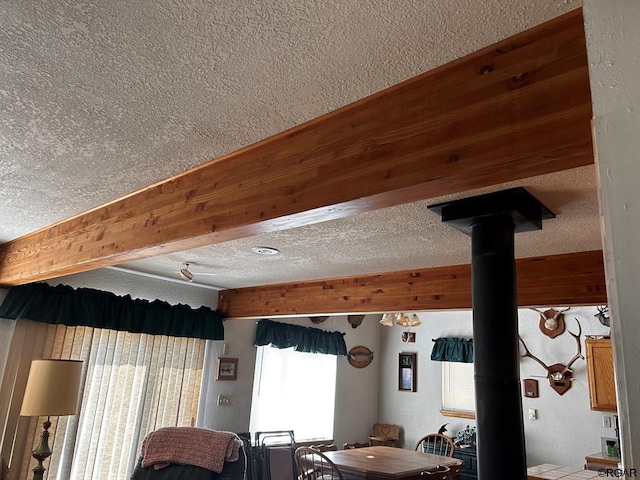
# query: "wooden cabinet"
{"type": "Point", "coordinates": [602, 387]}
{"type": "Point", "coordinates": [470, 459]}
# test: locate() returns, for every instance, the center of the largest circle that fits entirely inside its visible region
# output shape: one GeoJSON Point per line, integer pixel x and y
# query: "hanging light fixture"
{"type": "Point", "coordinates": [387, 319]}
{"type": "Point", "coordinates": [400, 319]}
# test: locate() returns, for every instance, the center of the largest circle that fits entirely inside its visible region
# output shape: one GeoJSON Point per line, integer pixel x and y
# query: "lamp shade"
{"type": "Point", "coordinates": [403, 320]}
{"type": "Point", "coordinates": [415, 321]}
{"type": "Point", "coordinates": [387, 320]}
{"type": "Point", "coordinates": [52, 388]}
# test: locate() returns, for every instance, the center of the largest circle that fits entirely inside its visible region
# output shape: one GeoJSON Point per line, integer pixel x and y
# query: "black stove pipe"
{"type": "Point", "coordinates": [500, 428]}
{"type": "Point", "coordinates": [492, 220]}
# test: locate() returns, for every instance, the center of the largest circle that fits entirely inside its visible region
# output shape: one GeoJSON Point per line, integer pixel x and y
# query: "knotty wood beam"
{"type": "Point", "coordinates": [519, 108]}
{"type": "Point", "coordinates": [568, 279]}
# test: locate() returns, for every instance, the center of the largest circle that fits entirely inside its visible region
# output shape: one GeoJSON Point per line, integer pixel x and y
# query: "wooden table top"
{"type": "Point", "coordinates": [380, 462]}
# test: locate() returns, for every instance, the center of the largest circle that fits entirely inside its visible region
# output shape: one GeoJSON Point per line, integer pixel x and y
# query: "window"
{"type": "Point", "coordinates": [133, 384]}
{"type": "Point", "coordinates": [294, 391]}
{"type": "Point", "coordinates": [458, 390]}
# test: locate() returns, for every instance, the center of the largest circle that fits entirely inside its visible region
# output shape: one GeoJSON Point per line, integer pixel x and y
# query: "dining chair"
{"type": "Point", "coordinates": [349, 446]}
{"type": "Point", "coordinates": [384, 434]}
{"type": "Point", "coordinates": [437, 444]}
{"type": "Point", "coordinates": [441, 472]}
{"type": "Point", "coordinates": [314, 465]}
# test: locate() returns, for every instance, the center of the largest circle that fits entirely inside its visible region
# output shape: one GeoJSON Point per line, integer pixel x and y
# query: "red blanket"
{"type": "Point", "coordinates": [190, 446]}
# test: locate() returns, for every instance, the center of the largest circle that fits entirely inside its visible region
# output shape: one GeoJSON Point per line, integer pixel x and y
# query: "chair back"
{"type": "Point", "coordinates": [385, 434]}
{"type": "Point", "coordinates": [439, 473]}
{"type": "Point", "coordinates": [325, 447]}
{"type": "Point", "coordinates": [437, 444]}
{"type": "Point", "coordinates": [348, 446]}
{"type": "Point", "coordinates": [315, 465]}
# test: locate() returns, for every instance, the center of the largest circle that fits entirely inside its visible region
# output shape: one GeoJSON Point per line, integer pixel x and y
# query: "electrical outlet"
{"type": "Point", "coordinates": [606, 421]}
{"type": "Point", "coordinates": [224, 400]}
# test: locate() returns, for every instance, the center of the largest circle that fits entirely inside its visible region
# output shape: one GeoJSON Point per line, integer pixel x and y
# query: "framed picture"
{"type": "Point", "coordinates": [226, 368]}
{"type": "Point", "coordinates": [407, 372]}
{"type": "Point", "coordinates": [409, 337]}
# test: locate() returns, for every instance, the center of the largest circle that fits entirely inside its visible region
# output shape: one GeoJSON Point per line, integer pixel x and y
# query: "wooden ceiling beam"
{"type": "Point", "coordinates": [516, 109]}
{"type": "Point", "coordinates": [568, 279]}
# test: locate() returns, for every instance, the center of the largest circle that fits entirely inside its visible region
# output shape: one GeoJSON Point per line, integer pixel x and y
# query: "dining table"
{"type": "Point", "coordinates": [386, 463]}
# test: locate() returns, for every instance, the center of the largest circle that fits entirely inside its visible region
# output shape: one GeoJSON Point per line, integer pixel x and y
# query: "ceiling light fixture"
{"type": "Point", "coordinates": [265, 250]}
{"type": "Point", "coordinates": [400, 319]}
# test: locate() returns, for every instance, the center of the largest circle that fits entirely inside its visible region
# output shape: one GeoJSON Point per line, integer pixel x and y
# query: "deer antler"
{"type": "Point", "coordinates": [531, 356]}
{"type": "Point", "coordinates": [558, 312]}
{"type": "Point", "coordinates": [579, 353]}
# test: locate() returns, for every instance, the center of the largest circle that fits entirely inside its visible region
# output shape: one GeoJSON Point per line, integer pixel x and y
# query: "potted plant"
{"type": "Point", "coordinates": [466, 438]}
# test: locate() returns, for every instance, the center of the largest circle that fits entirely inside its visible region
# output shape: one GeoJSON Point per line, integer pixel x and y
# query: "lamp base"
{"type": "Point", "coordinates": [42, 451]}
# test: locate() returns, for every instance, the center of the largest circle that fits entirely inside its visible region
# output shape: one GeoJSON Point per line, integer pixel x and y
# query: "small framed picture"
{"type": "Point", "coordinates": [409, 337]}
{"type": "Point", "coordinates": [226, 368]}
{"type": "Point", "coordinates": [407, 372]}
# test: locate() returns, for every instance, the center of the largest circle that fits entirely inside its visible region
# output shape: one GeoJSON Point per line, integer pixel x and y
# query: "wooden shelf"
{"type": "Point", "coordinates": [601, 460]}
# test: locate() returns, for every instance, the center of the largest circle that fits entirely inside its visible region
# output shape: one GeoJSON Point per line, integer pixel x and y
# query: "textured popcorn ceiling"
{"type": "Point", "coordinates": [99, 99]}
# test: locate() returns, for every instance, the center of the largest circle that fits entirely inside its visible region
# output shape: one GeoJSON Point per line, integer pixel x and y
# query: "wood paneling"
{"type": "Point", "coordinates": [519, 108]}
{"type": "Point", "coordinates": [568, 279]}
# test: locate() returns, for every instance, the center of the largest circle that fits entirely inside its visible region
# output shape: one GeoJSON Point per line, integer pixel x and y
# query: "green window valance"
{"type": "Point", "coordinates": [451, 349]}
{"type": "Point", "coordinates": [304, 339]}
{"type": "Point", "coordinates": [94, 308]}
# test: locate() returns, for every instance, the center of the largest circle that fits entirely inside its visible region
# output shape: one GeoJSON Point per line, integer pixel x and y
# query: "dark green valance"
{"type": "Point", "coordinates": [452, 349]}
{"type": "Point", "coordinates": [304, 339]}
{"type": "Point", "coordinates": [94, 308]}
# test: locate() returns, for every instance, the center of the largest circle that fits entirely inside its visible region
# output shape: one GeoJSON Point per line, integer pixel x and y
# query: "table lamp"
{"type": "Point", "coordinates": [52, 389]}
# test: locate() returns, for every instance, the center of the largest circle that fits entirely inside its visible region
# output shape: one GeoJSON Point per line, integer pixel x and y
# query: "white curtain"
{"type": "Point", "coordinates": [132, 384]}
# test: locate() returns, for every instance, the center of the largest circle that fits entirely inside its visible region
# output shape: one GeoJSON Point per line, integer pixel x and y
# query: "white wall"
{"type": "Point", "coordinates": [356, 407]}
{"type": "Point", "coordinates": [566, 429]}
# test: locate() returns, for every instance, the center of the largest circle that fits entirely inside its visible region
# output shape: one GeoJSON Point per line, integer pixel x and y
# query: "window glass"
{"type": "Point", "coordinates": [458, 390]}
{"type": "Point", "coordinates": [294, 391]}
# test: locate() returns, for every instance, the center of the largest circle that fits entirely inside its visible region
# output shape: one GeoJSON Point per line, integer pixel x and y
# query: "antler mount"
{"type": "Point", "coordinates": [559, 375]}
{"type": "Point", "coordinates": [551, 321]}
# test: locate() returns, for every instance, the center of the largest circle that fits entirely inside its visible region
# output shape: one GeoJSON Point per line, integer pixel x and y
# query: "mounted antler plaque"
{"type": "Point", "coordinates": [551, 321]}
{"type": "Point", "coordinates": [559, 375]}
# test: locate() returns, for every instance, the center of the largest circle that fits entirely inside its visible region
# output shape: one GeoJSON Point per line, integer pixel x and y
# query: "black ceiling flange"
{"type": "Point", "coordinates": [526, 211]}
